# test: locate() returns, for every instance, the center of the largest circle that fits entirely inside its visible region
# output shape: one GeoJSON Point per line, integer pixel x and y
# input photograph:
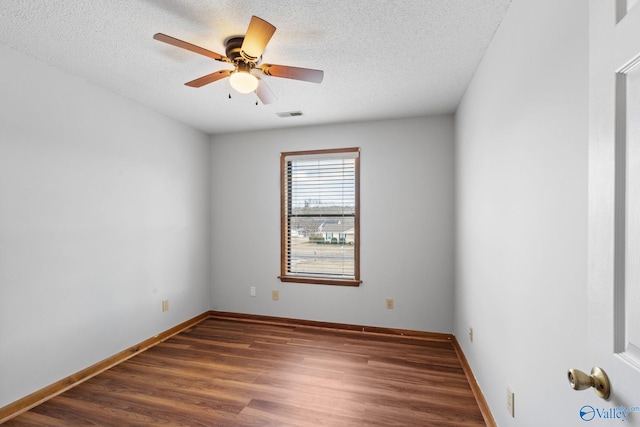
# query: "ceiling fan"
{"type": "Point", "coordinates": [245, 54]}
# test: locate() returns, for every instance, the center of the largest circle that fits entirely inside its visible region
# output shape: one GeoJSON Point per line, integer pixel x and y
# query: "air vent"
{"type": "Point", "coordinates": [290, 114]}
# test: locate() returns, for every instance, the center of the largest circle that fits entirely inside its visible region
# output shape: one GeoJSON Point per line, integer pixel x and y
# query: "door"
{"type": "Point", "coordinates": [614, 208]}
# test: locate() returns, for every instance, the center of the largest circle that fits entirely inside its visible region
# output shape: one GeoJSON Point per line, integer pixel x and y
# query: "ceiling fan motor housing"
{"type": "Point", "coordinates": [233, 46]}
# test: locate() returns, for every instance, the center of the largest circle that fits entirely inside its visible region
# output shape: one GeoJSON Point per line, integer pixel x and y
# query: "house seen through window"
{"type": "Point", "coordinates": [320, 217]}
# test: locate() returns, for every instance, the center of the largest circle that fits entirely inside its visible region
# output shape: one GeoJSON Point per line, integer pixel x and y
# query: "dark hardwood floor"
{"type": "Point", "coordinates": [242, 373]}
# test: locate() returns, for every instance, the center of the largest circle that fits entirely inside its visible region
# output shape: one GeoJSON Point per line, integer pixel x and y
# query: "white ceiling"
{"type": "Point", "coordinates": [381, 58]}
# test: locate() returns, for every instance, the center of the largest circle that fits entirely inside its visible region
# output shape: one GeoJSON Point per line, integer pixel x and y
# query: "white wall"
{"type": "Point", "coordinates": [406, 226]}
{"type": "Point", "coordinates": [521, 273]}
{"type": "Point", "coordinates": [104, 212]}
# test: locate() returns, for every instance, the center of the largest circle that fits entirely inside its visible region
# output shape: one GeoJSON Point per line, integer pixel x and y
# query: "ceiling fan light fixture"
{"type": "Point", "coordinates": [245, 54]}
{"type": "Point", "coordinates": [243, 81]}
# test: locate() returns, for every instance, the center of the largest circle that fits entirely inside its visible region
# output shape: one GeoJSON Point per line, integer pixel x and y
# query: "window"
{"type": "Point", "coordinates": [320, 217]}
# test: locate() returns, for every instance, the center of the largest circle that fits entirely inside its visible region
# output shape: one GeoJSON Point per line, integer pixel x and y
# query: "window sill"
{"type": "Point", "coordinates": [320, 280]}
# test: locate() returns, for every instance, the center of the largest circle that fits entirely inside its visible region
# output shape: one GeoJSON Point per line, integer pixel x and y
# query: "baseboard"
{"type": "Point", "coordinates": [22, 405]}
{"type": "Point", "coordinates": [432, 336]}
{"type": "Point", "coordinates": [475, 388]}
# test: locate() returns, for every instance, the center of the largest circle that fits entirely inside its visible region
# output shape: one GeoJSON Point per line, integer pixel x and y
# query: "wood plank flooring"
{"type": "Point", "coordinates": [242, 373]}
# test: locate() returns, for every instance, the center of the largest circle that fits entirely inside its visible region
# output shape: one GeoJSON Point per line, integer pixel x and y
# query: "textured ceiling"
{"type": "Point", "coordinates": [381, 58]}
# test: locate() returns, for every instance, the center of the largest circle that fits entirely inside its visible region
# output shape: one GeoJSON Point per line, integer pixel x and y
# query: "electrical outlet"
{"type": "Point", "coordinates": [470, 334]}
{"type": "Point", "coordinates": [252, 291]}
{"type": "Point", "coordinates": [389, 303]}
{"type": "Point", "coordinates": [165, 305]}
{"type": "Point", "coordinates": [275, 295]}
{"type": "Point", "coordinates": [511, 402]}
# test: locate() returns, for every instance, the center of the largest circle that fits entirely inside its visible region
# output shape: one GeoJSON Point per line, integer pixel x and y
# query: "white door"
{"type": "Point", "coordinates": [614, 209]}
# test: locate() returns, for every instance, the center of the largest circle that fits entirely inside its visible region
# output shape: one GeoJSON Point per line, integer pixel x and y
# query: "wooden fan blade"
{"type": "Point", "coordinates": [264, 93]}
{"type": "Point", "coordinates": [192, 47]}
{"type": "Point", "coordinates": [258, 35]}
{"type": "Point", "coordinates": [209, 78]}
{"type": "Point", "coordinates": [296, 73]}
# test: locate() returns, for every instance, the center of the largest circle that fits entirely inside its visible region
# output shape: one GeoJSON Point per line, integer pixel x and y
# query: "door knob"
{"type": "Point", "coordinates": [598, 380]}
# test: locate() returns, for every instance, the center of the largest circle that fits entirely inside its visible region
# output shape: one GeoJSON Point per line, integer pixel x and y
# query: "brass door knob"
{"type": "Point", "coordinates": [598, 380]}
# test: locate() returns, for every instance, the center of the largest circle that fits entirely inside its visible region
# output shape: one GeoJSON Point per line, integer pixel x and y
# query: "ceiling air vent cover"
{"type": "Point", "coordinates": [290, 114]}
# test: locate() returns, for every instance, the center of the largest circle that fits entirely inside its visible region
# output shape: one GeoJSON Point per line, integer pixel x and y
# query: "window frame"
{"type": "Point", "coordinates": [285, 275]}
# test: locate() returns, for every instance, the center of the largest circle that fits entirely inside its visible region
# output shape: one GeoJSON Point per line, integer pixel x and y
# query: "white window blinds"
{"type": "Point", "coordinates": [320, 214]}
